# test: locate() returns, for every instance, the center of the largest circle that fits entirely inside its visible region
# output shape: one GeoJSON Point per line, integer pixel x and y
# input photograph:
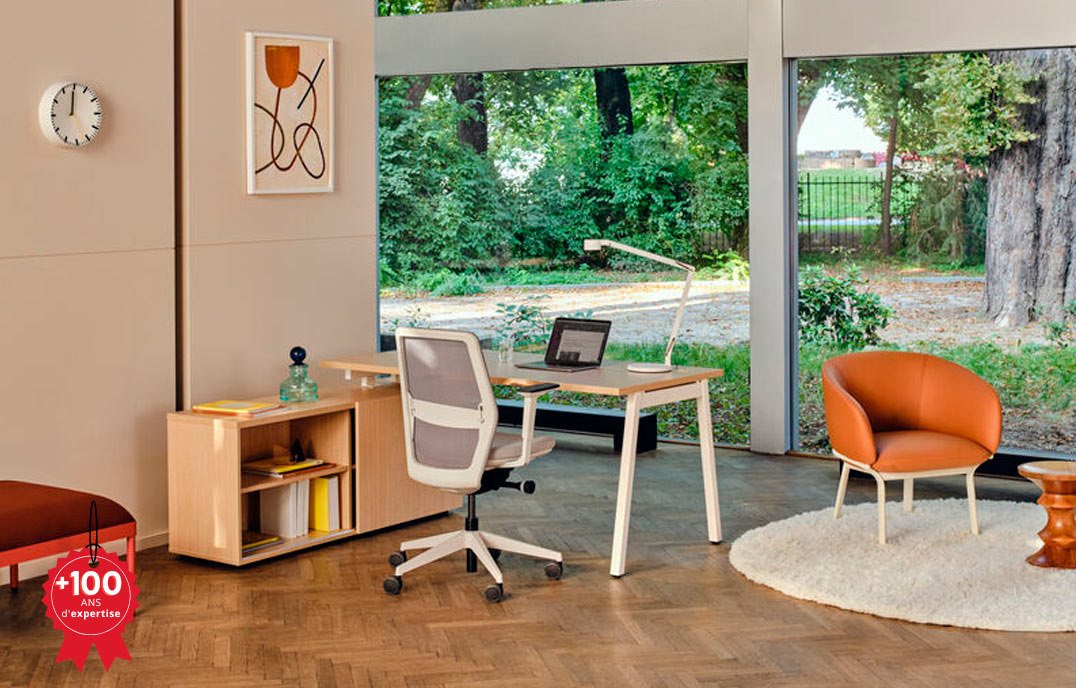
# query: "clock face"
{"type": "Point", "coordinates": [70, 114]}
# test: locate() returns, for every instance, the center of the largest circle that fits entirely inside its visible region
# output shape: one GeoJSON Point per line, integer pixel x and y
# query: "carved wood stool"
{"type": "Point", "coordinates": [1057, 480]}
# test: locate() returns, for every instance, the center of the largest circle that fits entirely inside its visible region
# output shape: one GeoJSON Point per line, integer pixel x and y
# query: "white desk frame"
{"type": "Point", "coordinates": [642, 391]}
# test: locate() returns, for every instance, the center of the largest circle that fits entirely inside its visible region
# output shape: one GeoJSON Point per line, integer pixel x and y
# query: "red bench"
{"type": "Point", "coordinates": [37, 521]}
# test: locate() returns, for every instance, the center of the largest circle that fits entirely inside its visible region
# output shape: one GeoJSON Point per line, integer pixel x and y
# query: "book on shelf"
{"type": "Point", "coordinates": [325, 503]}
{"type": "Point", "coordinates": [231, 407]}
{"type": "Point", "coordinates": [280, 466]}
{"type": "Point", "coordinates": [254, 541]}
{"type": "Point", "coordinates": [284, 510]}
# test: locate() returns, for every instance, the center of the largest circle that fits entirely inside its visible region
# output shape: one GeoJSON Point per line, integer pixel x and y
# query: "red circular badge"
{"type": "Point", "coordinates": [91, 602]}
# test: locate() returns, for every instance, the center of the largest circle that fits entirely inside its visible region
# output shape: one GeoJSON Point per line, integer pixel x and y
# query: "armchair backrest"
{"type": "Point", "coordinates": [450, 413]}
{"type": "Point", "coordinates": [901, 390]}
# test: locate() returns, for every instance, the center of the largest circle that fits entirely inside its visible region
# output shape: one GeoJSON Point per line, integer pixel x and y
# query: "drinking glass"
{"type": "Point", "coordinates": [505, 348]}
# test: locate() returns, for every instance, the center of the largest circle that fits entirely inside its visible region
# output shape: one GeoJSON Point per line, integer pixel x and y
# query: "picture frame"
{"type": "Point", "coordinates": [290, 104]}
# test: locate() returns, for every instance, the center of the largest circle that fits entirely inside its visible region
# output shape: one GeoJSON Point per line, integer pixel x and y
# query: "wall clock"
{"type": "Point", "coordinates": [70, 114]}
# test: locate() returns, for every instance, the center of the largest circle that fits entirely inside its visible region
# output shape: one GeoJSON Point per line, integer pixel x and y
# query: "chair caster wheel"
{"type": "Point", "coordinates": [554, 570]}
{"type": "Point", "coordinates": [393, 585]}
{"type": "Point", "coordinates": [397, 558]}
{"type": "Point", "coordinates": [495, 553]}
{"type": "Point", "coordinates": [495, 592]}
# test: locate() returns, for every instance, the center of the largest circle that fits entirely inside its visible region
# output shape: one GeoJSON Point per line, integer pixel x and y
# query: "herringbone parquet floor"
{"type": "Point", "coordinates": [682, 617]}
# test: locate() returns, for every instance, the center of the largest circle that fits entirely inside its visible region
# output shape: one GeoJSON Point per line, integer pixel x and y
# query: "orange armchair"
{"type": "Point", "coordinates": [899, 416]}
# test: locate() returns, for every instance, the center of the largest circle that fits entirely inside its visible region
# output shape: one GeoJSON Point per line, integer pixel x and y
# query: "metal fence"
{"type": "Point", "coordinates": [836, 211]}
{"type": "Point", "coordinates": [843, 211]}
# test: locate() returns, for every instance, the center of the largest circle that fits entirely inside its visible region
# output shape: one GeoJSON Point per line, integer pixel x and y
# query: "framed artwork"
{"type": "Point", "coordinates": [289, 113]}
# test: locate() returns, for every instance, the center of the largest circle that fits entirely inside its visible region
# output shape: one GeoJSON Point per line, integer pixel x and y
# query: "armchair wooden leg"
{"type": "Point", "coordinates": [908, 488]}
{"type": "Point", "coordinates": [13, 571]}
{"type": "Point", "coordinates": [971, 503]}
{"type": "Point", "coordinates": [881, 508]}
{"type": "Point", "coordinates": [841, 489]}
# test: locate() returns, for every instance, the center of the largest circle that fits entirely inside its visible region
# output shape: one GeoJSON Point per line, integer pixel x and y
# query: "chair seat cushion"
{"type": "Point", "coordinates": [906, 451]}
{"type": "Point", "coordinates": [32, 513]}
{"type": "Point", "coordinates": [507, 447]}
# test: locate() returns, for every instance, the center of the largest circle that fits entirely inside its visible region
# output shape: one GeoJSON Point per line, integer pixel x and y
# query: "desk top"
{"type": "Point", "coordinates": [612, 378]}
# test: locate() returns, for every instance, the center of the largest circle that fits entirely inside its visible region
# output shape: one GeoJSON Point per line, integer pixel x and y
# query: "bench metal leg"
{"type": "Point", "coordinates": [709, 465]}
{"type": "Point", "coordinates": [131, 553]}
{"type": "Point", "coordinates": [625, 488]}
{"type": "Point", "coordinates": [13, 572]}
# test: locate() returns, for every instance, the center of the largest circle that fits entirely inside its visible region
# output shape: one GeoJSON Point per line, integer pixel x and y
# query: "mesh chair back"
{"type": "Point", "coordinates": [450, 413]}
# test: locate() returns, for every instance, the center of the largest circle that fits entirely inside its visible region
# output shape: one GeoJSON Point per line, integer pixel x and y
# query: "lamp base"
{"type": "Point", "coordinates": [649, 368]}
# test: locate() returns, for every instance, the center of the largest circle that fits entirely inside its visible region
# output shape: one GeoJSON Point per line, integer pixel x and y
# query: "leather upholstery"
{"type": "Point", "coordinates": [901, 411]}
{"type": "Point", "coordinates": [32, 513]}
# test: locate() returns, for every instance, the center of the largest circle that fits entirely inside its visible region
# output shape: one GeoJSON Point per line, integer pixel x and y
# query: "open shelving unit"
{"type": "Point", "coordinates": [358, 430]}
{"type": "Point", "coordinates": [212, 501]}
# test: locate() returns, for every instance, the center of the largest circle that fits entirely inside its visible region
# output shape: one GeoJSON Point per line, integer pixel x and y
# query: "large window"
{"type": "Point", "coordinates": [935, 215]}
{"type": "Point", "coordinates": [489, 183]}
{"type": "Point", "coordinates": [386, 8]}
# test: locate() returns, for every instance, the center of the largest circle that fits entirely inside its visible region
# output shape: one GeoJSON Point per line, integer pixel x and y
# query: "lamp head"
{"type": "Point", "coordinates": [593, 244]}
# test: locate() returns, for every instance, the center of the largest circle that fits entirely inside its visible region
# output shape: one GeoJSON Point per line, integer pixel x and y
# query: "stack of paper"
{"type": "Point", "coordinates": [285, 510]}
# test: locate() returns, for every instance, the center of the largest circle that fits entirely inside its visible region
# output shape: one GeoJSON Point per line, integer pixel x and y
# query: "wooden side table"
{"type": "Point", "coordinates": [1057, 480]}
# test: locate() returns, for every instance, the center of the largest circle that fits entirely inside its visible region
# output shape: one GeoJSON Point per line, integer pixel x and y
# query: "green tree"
{"type": "Point", "coordinates": [883, 91]}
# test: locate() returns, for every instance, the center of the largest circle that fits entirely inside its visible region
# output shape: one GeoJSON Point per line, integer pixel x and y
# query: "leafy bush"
{"type": "Point", "coordinates": [836, 309]}
{"type": "Point", "coordinates": [527, 322]}
{"type": "Point", "coordinates": [1062, 333]}
{"type": "Point", "coordinates": [727, 265]}
{"type": "Point", "coordinates": [448, 283]}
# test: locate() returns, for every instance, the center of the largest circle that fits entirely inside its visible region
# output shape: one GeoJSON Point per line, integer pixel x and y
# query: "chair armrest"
{"type": "Point", "coordinates": [850, 432]}
{"type": "Point", "coordinates": [540, 387]}
{"type": "Point", "coordinates": [530, 395]}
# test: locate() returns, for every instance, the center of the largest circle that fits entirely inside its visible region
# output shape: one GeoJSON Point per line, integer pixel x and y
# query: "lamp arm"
{"type": "Point", "coordinates": [646, 254]}
{"type": "Point", "coordinates": [679, 315]}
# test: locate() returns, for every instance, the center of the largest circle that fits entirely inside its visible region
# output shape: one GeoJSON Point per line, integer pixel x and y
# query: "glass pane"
{"type": "Point", "coordinates": [490, 183]}
{"type": "Point", "coordinates": [934, 216]}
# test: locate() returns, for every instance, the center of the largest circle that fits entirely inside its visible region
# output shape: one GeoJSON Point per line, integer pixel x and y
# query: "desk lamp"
{"type": "Point", "coordinates": [599, 244]}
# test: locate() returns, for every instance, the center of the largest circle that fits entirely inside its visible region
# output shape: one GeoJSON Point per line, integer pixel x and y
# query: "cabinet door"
{"type": "Point", "coordinates": [204, 517]}
{"type": "Point", "coordinates": [384, 494]}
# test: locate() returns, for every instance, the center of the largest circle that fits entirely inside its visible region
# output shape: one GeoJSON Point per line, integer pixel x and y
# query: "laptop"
{"type": "Point", "coordinates": [575, 344]}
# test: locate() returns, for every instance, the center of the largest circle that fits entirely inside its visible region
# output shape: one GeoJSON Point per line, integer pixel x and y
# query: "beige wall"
{"type": "Point", "coordinates": [263, 273]}
{"type": "Point", "coordinates": [87, 259]}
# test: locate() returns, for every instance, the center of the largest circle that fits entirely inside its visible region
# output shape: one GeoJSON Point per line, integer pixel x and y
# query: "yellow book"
{"type": "Point", "coordinates": [325, 503]}
{"type": "Point", "coordinates": [232, 407]}
{"type": "Point", "coordinates": [279, 466]}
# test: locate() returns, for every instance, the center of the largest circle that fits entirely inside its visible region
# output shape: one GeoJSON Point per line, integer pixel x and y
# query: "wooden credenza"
{"type": "Point", "coordinates": [360, 431]}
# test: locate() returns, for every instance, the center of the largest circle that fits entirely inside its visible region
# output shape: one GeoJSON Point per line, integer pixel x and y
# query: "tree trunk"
{"type": "Point", "coordinates": [416, 90]}
{"type": "Point", "coordinates": [469, 91]}
{"type": "Point", "coordinates": [887, 187]}
{"type": "Point", "coordinates": [1031, 212]}
{"type": "Point", "coordinates": [614, 101]}
{"type": "Point", "coordinates": [472, 129]}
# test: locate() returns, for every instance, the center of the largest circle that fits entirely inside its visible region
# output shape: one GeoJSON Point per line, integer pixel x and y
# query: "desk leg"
{"type": "Point", "coordinates": [709, 464]}
{"type": "Point", "coordinates": [625, 488]}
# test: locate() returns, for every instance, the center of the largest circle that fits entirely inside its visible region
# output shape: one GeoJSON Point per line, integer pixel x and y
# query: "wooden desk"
{"type": "Point", "coordinates": [642, 391]}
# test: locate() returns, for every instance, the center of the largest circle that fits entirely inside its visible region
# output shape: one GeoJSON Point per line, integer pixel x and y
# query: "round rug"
{"type": "Point", "coordinates": [933, 570]}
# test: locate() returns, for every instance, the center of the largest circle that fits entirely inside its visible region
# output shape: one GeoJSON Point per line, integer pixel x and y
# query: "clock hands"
{"type": "Point", "coordinates": [72, 100]}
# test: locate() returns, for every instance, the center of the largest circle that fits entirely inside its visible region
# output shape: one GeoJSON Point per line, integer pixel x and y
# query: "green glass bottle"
{"type": "Point", "coordinates": [298, 385]}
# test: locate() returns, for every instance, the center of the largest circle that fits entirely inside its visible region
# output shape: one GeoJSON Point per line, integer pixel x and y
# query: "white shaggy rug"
{"type": "Point", "coordinates": [934, 570]}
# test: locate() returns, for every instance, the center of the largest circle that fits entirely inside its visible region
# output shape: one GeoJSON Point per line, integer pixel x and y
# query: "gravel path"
{"type": "Point", "coordinates": [718, 312]}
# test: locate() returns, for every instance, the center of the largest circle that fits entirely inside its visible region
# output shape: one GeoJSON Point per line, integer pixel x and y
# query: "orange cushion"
{"type": "Point", "coordinates": [906, 451]}
{"type": "Point", "coordinates": [32, 513]}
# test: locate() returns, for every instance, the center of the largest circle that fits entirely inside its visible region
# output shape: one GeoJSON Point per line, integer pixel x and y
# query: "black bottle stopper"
{"type": "Point", "coordinates": [298, 355]}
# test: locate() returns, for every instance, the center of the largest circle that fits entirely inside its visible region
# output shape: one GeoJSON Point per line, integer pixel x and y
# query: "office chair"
{"type": "Point", "coordinates": [450, 431]}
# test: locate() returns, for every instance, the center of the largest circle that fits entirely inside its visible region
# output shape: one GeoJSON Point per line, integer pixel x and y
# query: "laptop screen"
{"type": "Point", "coordinates": [577, 342]}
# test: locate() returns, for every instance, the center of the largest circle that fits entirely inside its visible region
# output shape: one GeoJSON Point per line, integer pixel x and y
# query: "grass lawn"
{"type": "Point", "coordinates": [1037, 383]}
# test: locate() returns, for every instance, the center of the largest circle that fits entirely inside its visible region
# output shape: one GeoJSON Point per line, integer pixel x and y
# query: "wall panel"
{"type": "Point", "coordinates": [261, 273]}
